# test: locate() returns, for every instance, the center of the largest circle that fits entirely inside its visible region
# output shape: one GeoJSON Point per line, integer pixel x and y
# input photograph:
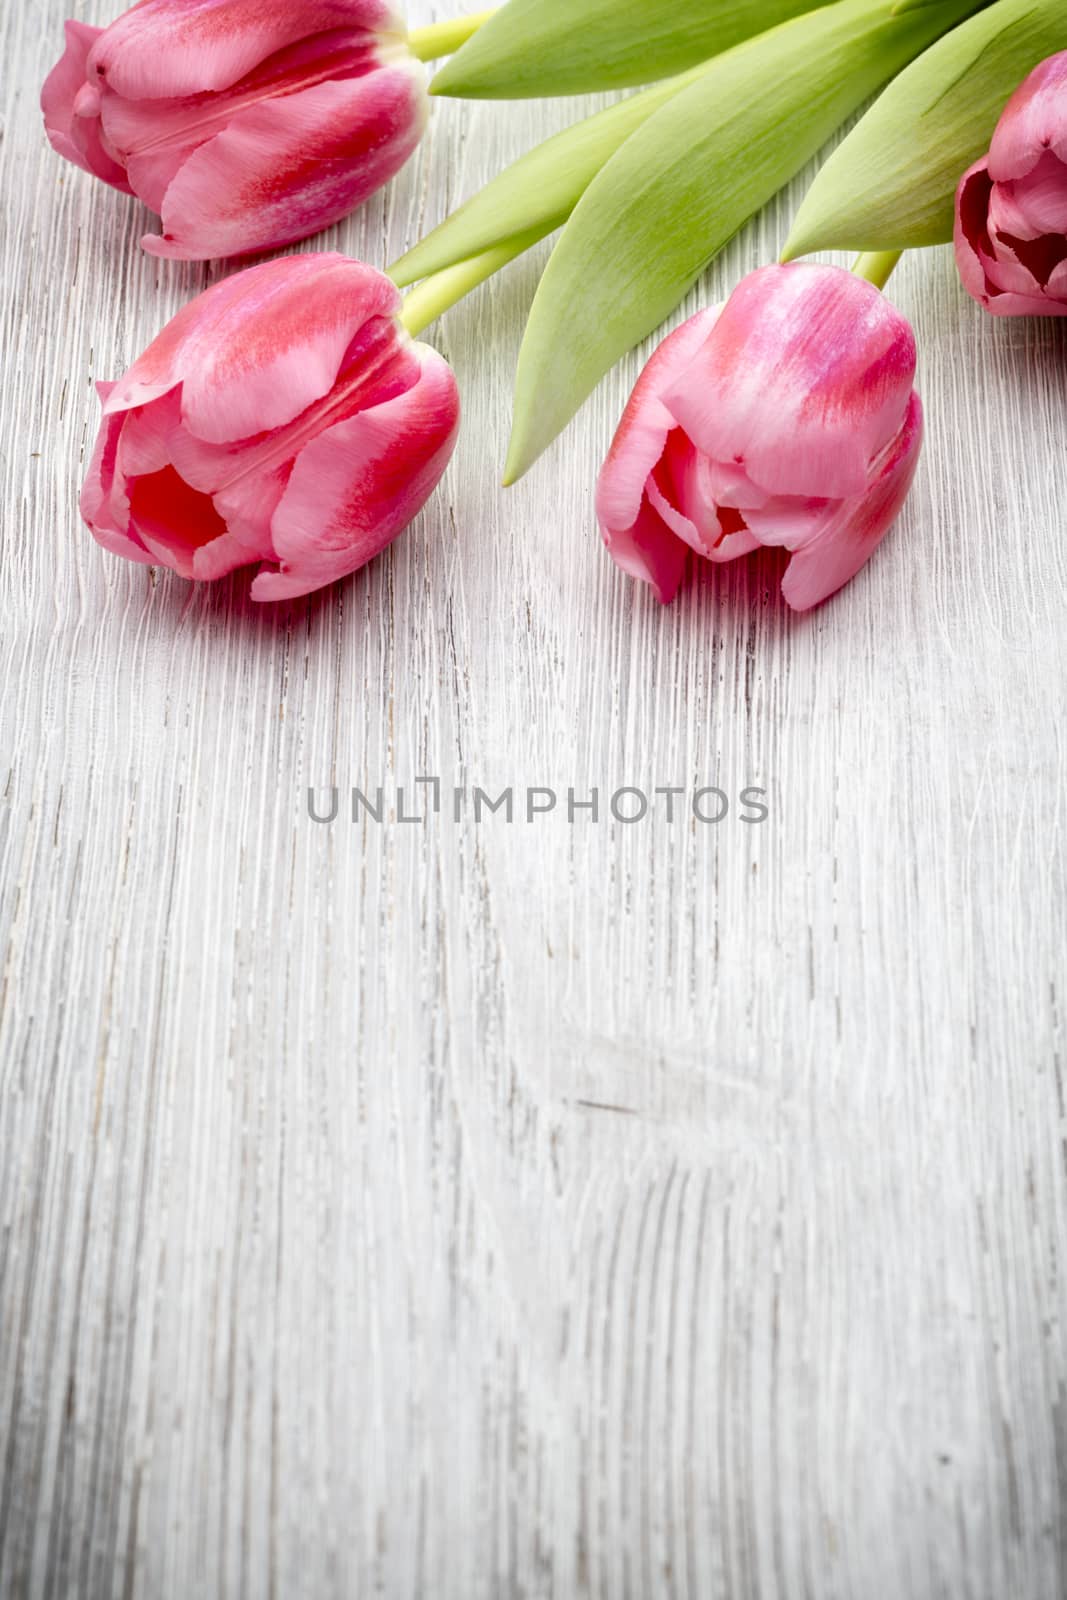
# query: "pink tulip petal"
{"type": "Point", "coordinates": [219, 557]}
{"type": "Point", "coordinates": [283, 169]}
{"type": "Point", "coordinates": [1004, 215]}
{"type": "Point", "coordinates": [853, 531]}
{"type": "Point", "coordinates": [971, 235]}
{"type": "Point", "coordinates": [153, 440]}
{"type": "Point", "coordinates": [676, 522]}
{"type": "Point", "coordinates": [357, 485]}
{"type": "Point", "coordinates": [155, 138]}
{"type": "Point", "coordinates": [652, 495]}
{"type": "Point", "coordinates": [647, 550]}
{"type": "Point", "coordinates": [134, 127]}
{"type": "Point", "coordinates": [735, 539]}
{"type": "Point", "coordinates": [150, 175]}
{"type": "Point", "coordinates": [1026, 305]}
{"type": "Point", "coordinates": [638, 539]}
{"type": "Point", "coordinates": [642, 433]}
{"type": "Point", "coordinates": [172, 520]}
{"type": "Point", "coordinates": [102, 507]}
{"type": "Point", "coordinates": [379, 364]}
{"type": "Point", "coordinates": [790, 521]}
{"type": "Point", "coordinates": [61, 89]}
{"type": "Point", "coordinates": [71, 131]}
{"type": "Point", "coordinates": [113, 511]}
{"type": "Point", "coordinates": [680, 489]}
{"type": "Point", "coordinates": [1033, 122]}
{"type": "Point", "coordinates": [247, 507]}
{"type": "Point", "coordinates": [1024, 266]}
{"type": "Point", "coordinates": [1038, 201]}
{"type": "Point", "coordinates": [1004, 274]}
{"type": "Point", "coordinates": [255, 350]}
{"type": "Point", "coordinates": [126, 545]}
{"type": "Point", "coordinates": [149, 434]}
{"type": "Point", "coordinates": [162, 49]}
{"type": "Point", "coordinates": [139, 127]}
{"type": "Point", "coordinates": [730, 485]}
{"type": "Point", "coordinates": [809, 369]}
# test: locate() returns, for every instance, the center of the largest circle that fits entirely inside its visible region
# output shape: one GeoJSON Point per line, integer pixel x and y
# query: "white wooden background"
{"type": "Point", "coordinates": [554, 1211]}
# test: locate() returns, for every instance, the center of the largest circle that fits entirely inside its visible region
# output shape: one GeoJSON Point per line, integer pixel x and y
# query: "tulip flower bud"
{"type": "Point", "coordinates": [786, 417]}
{"type": "Point", "coordinates": [284, 417]}
{"type": "Point", "coordinates": [246, 124]}
{"type": "Point", "coordinates": [1011, 207]}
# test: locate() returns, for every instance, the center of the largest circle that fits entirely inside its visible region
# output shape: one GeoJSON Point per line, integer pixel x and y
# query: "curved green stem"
{"type": "Point", "coordinates": [436, 294]}
{"type": "Point", "coordinates": [442, 38]}
{"type": "Point", "coordinates": [876, 266]}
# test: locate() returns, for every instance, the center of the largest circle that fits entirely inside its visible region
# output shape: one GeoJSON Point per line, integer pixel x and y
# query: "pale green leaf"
{"type": "Point", "coordinates": [686, 181]}
{"type": "Point", "coordinates": [891, 184]}
{"type": "Point", "coordinates": [540, 190]}
{"type": "Point", "coordinates": [548, 47]}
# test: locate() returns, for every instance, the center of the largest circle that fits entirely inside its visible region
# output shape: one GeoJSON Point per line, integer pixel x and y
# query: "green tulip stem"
{"type": "Point", "coordinates": [442, 38]}
{"type": "Point", "coordinates": [438, 293]}
{"type": "Point", "coordinates": [877, 266]}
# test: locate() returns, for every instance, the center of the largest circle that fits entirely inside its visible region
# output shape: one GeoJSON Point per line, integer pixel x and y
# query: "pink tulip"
{"type": "Point", "coordinates": [284, 417]}
{"type": "Point", "coordinates": [245, 124]}
{"type": "Point", "coordinates": [786, 417]}
{"type": "Point", "coordinates": [1011, 207]}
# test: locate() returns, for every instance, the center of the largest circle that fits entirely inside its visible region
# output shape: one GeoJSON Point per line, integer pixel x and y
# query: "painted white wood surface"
{"type": "Point", "coordinates": [529, 1211]}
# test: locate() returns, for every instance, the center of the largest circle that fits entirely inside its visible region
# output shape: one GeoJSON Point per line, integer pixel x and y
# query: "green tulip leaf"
{"type": "Point", "coordinates": [548, 47]}
{"type": "Point", "coordinates": [539, 191]}
{"type": "Point", "coordinates": [891, 184]}
{"type": "Point", "coordinates": [686, 181]}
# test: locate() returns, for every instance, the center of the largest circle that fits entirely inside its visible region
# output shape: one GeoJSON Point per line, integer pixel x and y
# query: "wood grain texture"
{"type": "Point", "coordinates": [540, 1211]}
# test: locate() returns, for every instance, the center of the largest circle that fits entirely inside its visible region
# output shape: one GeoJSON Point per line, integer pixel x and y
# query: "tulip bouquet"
{"type": "Point", "coordinates": [289, 417]}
